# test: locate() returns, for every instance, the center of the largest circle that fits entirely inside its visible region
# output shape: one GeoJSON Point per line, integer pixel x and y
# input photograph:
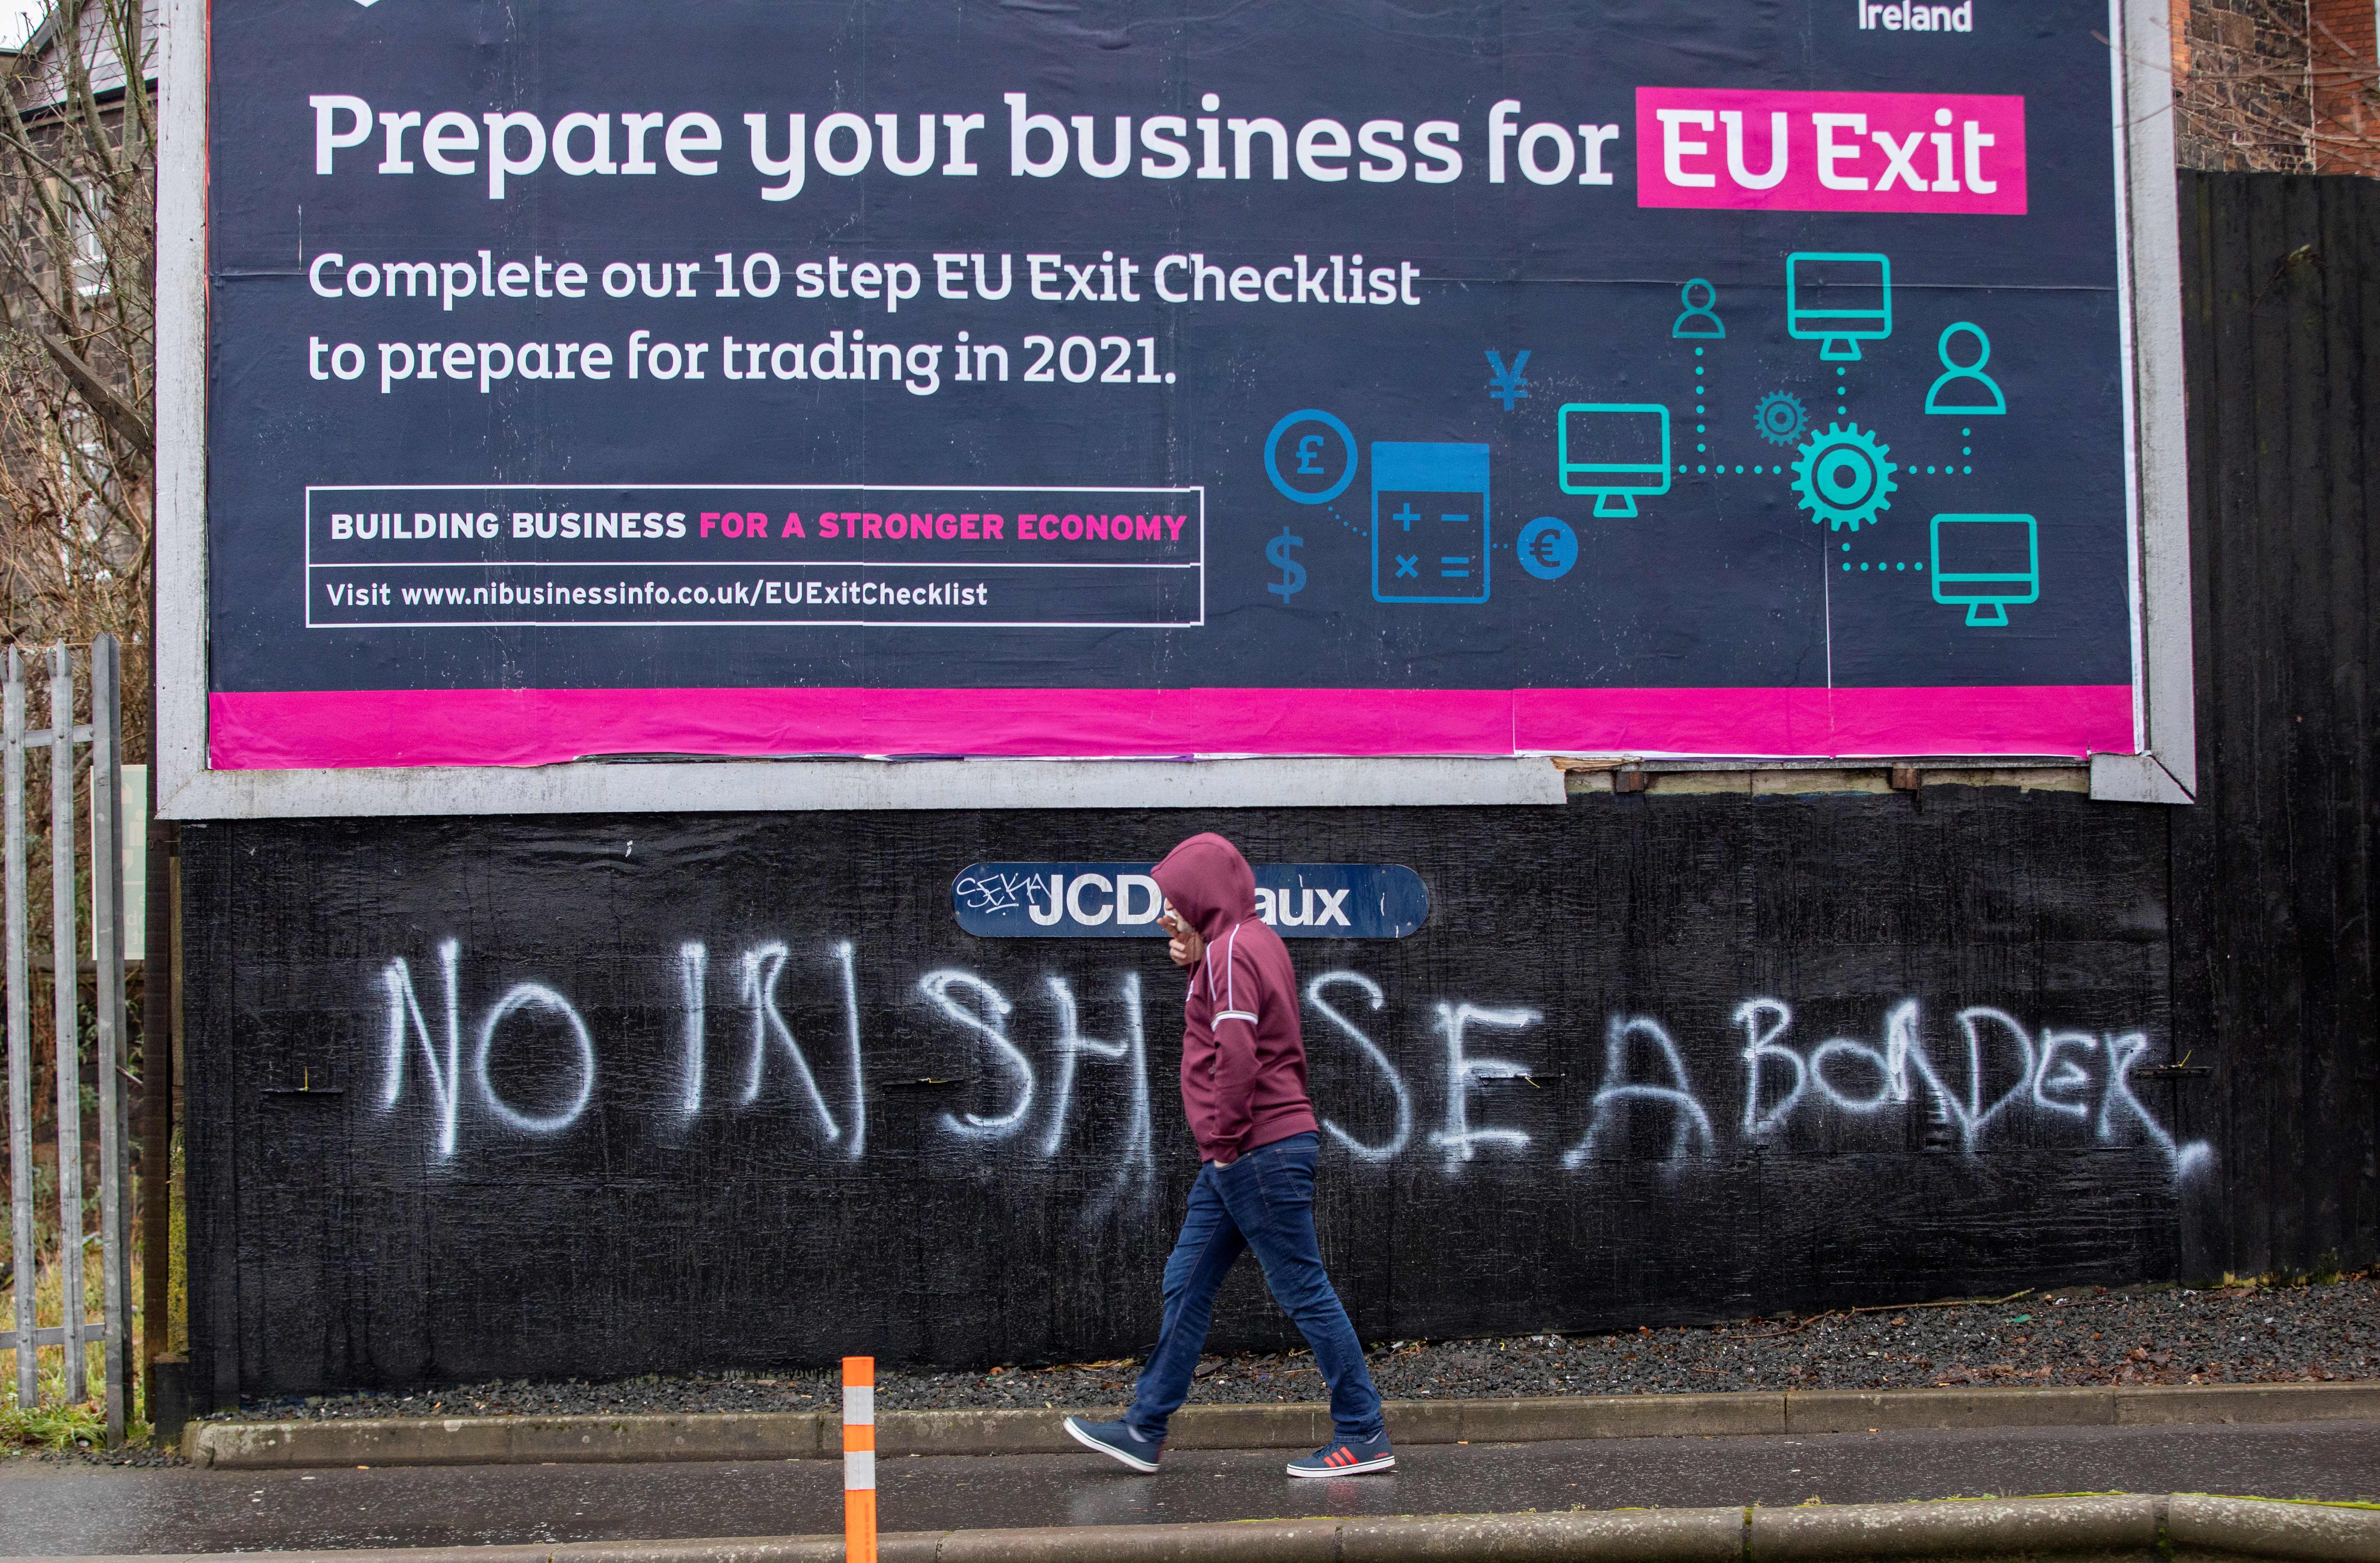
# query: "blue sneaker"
{"type": "Point", "coordinates": [1120, 1443]}
{"type": "Point", "coordinates": [1345, 1458]}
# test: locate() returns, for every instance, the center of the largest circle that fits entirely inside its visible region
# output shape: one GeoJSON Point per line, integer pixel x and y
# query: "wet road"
{"type": "Point", "coordinates": [56, 1509]}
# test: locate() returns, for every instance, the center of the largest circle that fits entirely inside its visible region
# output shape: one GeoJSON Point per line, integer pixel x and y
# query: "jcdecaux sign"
{"type": "Point", "coordinates": [1303, 377]}
{"type": "Point", "coordinates": [1121, 901]}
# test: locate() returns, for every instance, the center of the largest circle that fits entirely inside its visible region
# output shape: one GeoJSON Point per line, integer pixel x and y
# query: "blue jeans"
{"type": "Point", "coordinates": [1263, 1201]}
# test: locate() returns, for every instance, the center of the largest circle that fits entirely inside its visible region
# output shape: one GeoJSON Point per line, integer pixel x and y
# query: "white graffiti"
{"type": "Point", "coordinates": [1464, 1073]}
{"type": "Point", "coordinates": [989, 1022]}
{"type": "Point", "coordinates": [410, 1033]}
{"type": "Point", "coordinates": [1763, 1020]}
{"type": "Point", "coordinates": [1689, 1132]}
{"type": "Point", "coordinates": [445, 1073]}
{"type": "Point", "coordinates": [2123, 1052]}
{"type": "Point", "coordinates": [1387, 1149]}
{"type": "Point", "coordinates": [1136, 1161]}
{"type": "Point", "coordinates": [1072, 1044]}
{"type": "Point", "coordinates": [762, 967]}
{"type": "Point", "coordinates": [694, 968]}
{"type": "Point", "coordinates": [1053, 1089]}
{"type": "Point", "coordinates": [847, 955]}
{"type": "Point", "coordinates": [986, 1013]}
{"type": "Point", "coordinates": [2046, 1072]}
{"type": "Point", "coordinates": [2062, 1076]}
{"type": "Point", "coordinates": [995, 892]}
{"type": "Point", "coordinates": [534, 996]}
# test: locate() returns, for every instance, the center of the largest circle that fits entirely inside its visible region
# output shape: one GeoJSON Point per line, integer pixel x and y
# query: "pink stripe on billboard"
{"type": "Point", "coordinates": [1947, 153]}
{"type": "Point", "coordinates": [342, 729]}
{"type": "Point", "coordinates": [2075, 719]}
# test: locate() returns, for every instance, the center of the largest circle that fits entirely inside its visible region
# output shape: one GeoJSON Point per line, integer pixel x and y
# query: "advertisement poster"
{"type": "Point", "coordinates": [1296, 377]}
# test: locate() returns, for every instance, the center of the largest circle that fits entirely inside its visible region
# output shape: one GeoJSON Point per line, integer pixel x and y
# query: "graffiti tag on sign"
{"type": "Point", "coordinates": [1121, 901]}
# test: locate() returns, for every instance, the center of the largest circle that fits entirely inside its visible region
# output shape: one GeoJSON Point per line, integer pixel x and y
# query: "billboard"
{"type": "Point", "coordinates": [1309, 377]}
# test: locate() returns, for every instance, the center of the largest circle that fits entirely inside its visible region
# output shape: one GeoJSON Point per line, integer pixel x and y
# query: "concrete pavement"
{"type": "Point", "coordinates": [78, 1509]}
{"type": "Point", "coordinates": [2118, 1528]}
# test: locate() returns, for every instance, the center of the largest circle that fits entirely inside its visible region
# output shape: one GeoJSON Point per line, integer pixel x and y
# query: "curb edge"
{"type": "Point", "coordinates": [813, 1435]}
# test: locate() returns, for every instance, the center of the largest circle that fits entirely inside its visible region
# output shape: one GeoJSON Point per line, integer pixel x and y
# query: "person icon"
{"type": "Point", "coordinates": [1982, 398]}
{"type": "Point", "coordinates": [1698, 319]}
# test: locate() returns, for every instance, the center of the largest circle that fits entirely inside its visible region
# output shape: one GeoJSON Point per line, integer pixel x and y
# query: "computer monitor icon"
{"type": "Point", "coordinates": [1987, 563]}
{"type": "Point", "coordinates": [1838, 298]}
{"type": "Point", "coordinates": [1615, 451]}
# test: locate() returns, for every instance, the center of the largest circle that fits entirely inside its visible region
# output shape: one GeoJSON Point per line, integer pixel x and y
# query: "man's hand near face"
{"type": "Point", "coordinates": [1188, 946]}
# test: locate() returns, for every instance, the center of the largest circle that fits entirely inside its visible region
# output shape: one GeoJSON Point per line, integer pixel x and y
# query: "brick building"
{"type": "Point", "coordinates": [2283, 86]}
{"type": "Point", "coordinates": [2347, 86]}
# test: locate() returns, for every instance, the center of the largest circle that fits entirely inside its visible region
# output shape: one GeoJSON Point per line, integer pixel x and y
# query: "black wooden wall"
{"type": "Point", "coordinates": [650, 1200]}
{"type": "Point", "coordinates": [2273, 869]}
{"type": "Point", "coordinates": [341, 1236]}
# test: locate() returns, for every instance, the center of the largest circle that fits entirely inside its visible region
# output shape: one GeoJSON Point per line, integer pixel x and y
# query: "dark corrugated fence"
{"type": "Point", "coordinates": [2272, 913]}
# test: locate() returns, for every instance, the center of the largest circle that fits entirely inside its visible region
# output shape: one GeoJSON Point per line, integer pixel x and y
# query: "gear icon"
{"type": "Point", "coordinates": [1781, 417]}
{"type": "Point", "coordinates": [1844, 477]}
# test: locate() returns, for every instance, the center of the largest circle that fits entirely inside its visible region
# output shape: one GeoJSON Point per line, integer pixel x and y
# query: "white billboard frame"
{"type": "Point", "coordinates": [2163, 770]}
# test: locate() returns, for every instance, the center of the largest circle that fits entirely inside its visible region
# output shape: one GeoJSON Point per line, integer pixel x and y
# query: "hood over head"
{"type": "Point", "coordinates": [1208, 882]}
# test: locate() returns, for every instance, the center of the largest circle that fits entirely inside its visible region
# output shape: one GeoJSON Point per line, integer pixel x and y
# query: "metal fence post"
{"type": "Point", "coordinates": [20, 1031]}
{"type": "Point", "coordinates": [107, 954]}
{"type": "Point", "coordinates": [77, 1329]}
{"type": "Point", "coordinates": [64, 947]}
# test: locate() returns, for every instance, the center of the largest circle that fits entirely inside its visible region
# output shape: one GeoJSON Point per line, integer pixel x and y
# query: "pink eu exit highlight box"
{"type": "Point", "coordinates": [1743, 151]}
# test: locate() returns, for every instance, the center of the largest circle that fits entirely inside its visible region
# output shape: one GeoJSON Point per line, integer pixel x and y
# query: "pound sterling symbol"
{"type": "Point", "coordinates": [1292, 574]}
{"type": "Point", "coordinates": [1309, 454]}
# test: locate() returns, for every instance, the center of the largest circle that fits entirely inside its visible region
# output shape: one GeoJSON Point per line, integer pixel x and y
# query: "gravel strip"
{"type": "Point", "coordinates": [2089, 1335]}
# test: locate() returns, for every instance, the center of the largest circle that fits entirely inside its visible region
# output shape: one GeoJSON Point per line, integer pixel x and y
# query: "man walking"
{"type": "Point", "coordinates": [1244, 1090]}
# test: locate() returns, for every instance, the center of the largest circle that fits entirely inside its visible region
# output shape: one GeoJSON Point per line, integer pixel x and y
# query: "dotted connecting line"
{"type": "Point", "coordinates": [1702, 446]}
{"type": "Point", "coordinates": [1948, 468]}
{"type": "Point", "coordinates": [1918, 565]}
{"type": "Point", "coordinates": [1948, 472]}
{"type": "Point", "coordinates": [1700, 392]}
{"type": "Point", "coordinates": [1880, 568]}
{"type": "Point", "coordinates": [1951, 468]}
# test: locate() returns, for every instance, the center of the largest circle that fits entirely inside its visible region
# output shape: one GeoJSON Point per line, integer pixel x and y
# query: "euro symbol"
{"type": "Point", "coordinates": [1547, 548]}
{"type": "Point", "coordinates": [1309, 448]}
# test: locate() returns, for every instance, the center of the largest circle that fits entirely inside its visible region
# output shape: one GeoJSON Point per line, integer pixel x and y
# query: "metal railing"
{"type": "Point", "coordinates": [103, 733]}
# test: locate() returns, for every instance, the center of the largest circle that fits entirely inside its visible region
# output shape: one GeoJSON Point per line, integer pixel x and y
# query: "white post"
{"type": "Point", "coordinates": [64, 947]}
{"type": "Point", "coordinates": [107, 950]}
{"type": "Point", "coordinates": [21, 1031]}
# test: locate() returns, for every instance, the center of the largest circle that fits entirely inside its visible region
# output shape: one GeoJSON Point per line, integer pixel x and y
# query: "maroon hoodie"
{"type": "Point", "coordinates": [1243, 1061]}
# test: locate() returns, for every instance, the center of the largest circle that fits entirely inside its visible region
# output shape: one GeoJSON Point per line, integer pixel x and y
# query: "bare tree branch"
{"type": "Point", "coordinates": [78, 255]}
{"type": "Point", "coordinates": [120, 414]}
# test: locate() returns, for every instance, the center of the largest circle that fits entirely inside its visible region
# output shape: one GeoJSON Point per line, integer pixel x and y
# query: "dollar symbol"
{"type": "Point", "coordinates": [1292, 574]}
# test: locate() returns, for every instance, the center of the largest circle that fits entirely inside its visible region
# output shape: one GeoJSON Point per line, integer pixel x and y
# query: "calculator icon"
{"type": "Point", "coordinates": [1430, 522]}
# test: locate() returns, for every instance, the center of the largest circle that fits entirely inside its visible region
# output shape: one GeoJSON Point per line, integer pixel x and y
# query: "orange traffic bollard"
{"type": "Point", "coordinates": [859, 1459]}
